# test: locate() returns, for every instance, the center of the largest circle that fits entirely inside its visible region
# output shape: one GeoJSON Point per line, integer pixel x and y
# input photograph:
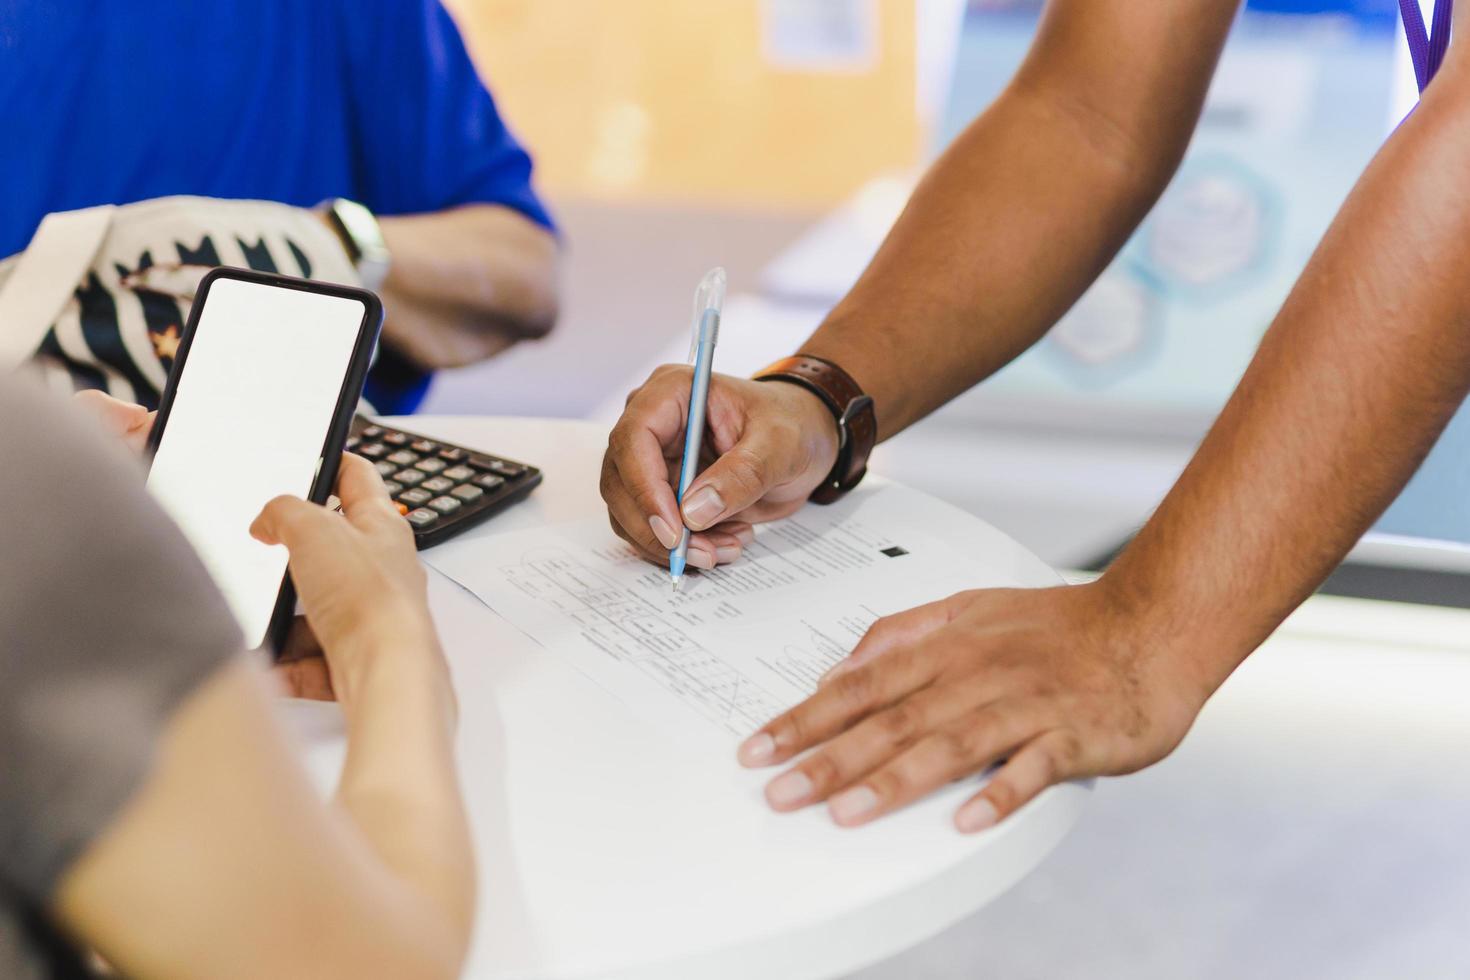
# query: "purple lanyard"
{"type": "Point", "coordinates": [1427, 48]}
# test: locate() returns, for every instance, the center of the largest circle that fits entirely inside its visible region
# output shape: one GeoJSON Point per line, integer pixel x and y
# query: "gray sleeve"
{"type": "Point", "coordinates": [107, 621]}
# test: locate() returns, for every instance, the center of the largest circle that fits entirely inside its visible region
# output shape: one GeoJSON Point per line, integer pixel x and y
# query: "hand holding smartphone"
{"type": "Point", "coordinates": [258, 404]}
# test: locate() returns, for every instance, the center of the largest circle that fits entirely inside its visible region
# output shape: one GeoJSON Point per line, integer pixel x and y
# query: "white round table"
{"type": "Point", "coordinates": [606, 852]}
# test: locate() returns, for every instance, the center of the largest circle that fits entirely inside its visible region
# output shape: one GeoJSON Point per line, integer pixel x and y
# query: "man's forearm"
{"type": "Point", "coordinates": [466, 282]}
{"type": "Point", "coordinates": [1362, 369]}
{"type": "Point", "coordinates": [1001, 237]}
{"type": "Point", "coordinates": [1028, 206]}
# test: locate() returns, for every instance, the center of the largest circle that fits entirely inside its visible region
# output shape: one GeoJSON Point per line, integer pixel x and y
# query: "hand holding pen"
{"type": "Point", "coordinates": [767, 446]}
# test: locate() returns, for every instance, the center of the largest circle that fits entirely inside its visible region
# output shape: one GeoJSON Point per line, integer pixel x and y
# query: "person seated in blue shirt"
{"type": "Point", "coordinates": [373, 101]}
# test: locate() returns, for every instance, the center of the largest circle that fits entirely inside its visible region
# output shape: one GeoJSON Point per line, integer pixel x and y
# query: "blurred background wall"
{"type": "Point", "coordinates": [731, 101]}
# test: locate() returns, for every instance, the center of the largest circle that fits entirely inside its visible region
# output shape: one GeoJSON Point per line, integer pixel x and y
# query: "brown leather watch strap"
{"type": "Point", "coordinates": [857, 423]}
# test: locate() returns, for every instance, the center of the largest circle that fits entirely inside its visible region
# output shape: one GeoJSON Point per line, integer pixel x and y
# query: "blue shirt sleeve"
{"type": "Point", "coordinates": [426, 136]}
{"type": "Point", "coordinates": [427, 132]}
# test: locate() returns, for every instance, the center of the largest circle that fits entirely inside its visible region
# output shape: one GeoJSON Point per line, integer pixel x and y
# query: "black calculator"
{"type": "Point", "coordinates": [440, 488]}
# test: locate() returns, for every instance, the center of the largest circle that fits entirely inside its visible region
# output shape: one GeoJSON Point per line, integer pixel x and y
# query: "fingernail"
{"type": "Point", "coordinates": [666, 535]}
{"type": "Point", "coordinates": [700, 558]}
{"type": "Point", "coordinates": [852, 805]}
{"type": "Point", "coordinates": [975, 816]}
{"type": "Point", "coordinates": [746, 536]}
{"type": "Point", "coordinates": [788, 789]}
{"type": "Point", "coordinates": [757, 750]}
{"type": "Point", "coordinates": [704, 508]}
{"type": "Point", "coordinates": [727, 554]}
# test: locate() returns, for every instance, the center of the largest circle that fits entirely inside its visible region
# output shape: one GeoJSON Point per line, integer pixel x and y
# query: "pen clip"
{"type": "Point", "coordinates": [709, 296]}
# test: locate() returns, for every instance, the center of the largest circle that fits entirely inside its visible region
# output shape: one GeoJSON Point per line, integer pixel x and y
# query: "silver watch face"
{"type": "Point", "coordinates": [359, 222]}
{"type": "Point", "coordinates": [362, 228]}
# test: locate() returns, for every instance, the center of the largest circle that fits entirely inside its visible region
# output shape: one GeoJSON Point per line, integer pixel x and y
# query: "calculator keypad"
{"type": "Point", "coordinates": [421, 517]}
{"type": "Point", "coordinates": [445, 505]}
{"type": "Point", "coordinates": [439, 488]}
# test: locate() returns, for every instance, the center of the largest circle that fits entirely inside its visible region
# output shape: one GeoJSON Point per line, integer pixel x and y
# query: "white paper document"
{"type": "Point", "coordinates": [739, 644]}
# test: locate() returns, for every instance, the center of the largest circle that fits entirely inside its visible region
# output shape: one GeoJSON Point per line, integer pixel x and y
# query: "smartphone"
{"type": "Point", "coordinates": [258, 403]}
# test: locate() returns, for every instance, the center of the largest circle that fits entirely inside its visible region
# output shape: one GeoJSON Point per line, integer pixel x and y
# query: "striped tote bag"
{"type": "Point", "coordinates": [100, 296]}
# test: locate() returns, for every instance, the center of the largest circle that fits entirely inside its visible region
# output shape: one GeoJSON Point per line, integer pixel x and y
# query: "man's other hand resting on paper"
{"type": "Point", "coordinates": [944, 690]}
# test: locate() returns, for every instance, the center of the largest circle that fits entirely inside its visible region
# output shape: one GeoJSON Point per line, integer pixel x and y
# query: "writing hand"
{"type": "Point", "coordinates": [768, 446]}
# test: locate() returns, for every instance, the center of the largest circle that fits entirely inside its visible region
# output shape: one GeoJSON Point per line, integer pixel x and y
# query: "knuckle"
{"type": "Point", "coordinates": [890, 784]}
{"type": "Point", "coordinates": [975, 733]}
{"type": "Point", "coordinates": [398, 531]}
{"type": "Point", "coordinates": [1038, 687]}
{"type": "Point", "coordinates": [824, 772]}
{"type": "Point", "coordinates": [901, 724]}
{"type": "Point", "coordinates": [791, 732]}
{"type": "Point", "coordinates": [959, 746]}
{"type": "Point", "coordinates": [282, 511]}
{"type": "Point", "coordinates": [747, 469]}
{"type": "Point", "coordinates": [617, 442]}
{"type": "Point", "coordinates": [665, 381]}
{"type": "Point", "coordinates": [1002, 795]}
{"type": "Point", "coordinates": [1047, 766]}
{"type": "Point", "coordinates": [853, 688]}
{"type": "Point", "coordinates": [619, 530]}
{"type": "Point", "coordinates": [1065, 751]}
{"type": "Point", "coordinates": [881, 627]}
{"type": "Point", "coordinates": [903, 661]}
{"type": "Point", "coordinates": [352, 461]}
{"type": "Point", "coordinates": [645, 499]}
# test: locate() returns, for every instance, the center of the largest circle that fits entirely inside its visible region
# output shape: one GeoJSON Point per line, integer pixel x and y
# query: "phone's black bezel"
{"type": "Point", "coordinates": [347, 399]}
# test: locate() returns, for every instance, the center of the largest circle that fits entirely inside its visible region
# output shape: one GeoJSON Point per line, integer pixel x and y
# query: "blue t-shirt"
{"type": "Point", "coordinates": [282, 100]}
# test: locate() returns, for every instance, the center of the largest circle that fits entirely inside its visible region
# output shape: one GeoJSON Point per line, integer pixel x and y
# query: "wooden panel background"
{"type": "Point", "coordinates": [676, 100]}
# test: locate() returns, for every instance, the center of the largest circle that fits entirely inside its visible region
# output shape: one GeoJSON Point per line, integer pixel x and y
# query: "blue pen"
{"type": "Point", "coordinates": [708, 299]}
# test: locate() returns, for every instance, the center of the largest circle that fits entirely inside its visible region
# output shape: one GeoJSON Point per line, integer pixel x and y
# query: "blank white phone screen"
{"type": "Point", "coordinates": [255, 400]}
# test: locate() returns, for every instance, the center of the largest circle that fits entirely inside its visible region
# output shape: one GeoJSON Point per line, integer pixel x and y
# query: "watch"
{"type": "Point", "coordinates": [857, 423]}
{"type": "Point", "coordinates": [361, 236]}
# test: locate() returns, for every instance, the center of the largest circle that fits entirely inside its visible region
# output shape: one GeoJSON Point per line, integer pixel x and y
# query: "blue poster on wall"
{"type": "Point", "coordinates": [1300, 103]}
